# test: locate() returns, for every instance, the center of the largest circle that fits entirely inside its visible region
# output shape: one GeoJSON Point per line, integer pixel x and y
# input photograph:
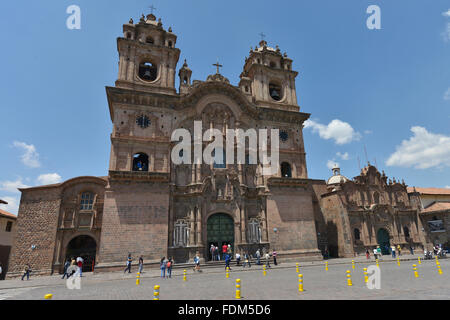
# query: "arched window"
{"type": "Point", "coordinates": [180, 234]}
{"type": "Point", "coordinates": [87, 201]}
{"type": "Point", "coordinates": [149, 40]}
{"type": "Point", "coordinates": [254, 231]}
{"type": "Point", "coordinates": [140, 162]}
{"type": "Point", "coordinates": [170, 44]}
{"type": "Point", "coordinates": [219, 162]}
{"type": "Point", "coordinates": [376, 197]}
{"type": "Point", "coordinates": [275, 91]}
{"type": "Point", "coordinates": [406, 232]}
{"type": "Point", "coordinates": [286, 171]}
{"type": "Point", "coordinates": [148, 71]}
{"type": "Point", "coordinates": [357, 234]}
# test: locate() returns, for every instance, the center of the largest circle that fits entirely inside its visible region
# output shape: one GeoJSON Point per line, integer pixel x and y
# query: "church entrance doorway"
{"type": "Point", "coordinates": [383, 240]}
{"type": "Point", "coordinates": [83, 246]}
{"type": "Point", "coordinates": [220, 231]}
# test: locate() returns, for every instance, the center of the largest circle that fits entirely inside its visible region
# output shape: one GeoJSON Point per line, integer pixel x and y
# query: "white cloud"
{"type": "Point", "coordinates": [422, 151]}
{"type": "Point", "coordinates": [30, 158]}
{"type": "Point", "coordinates": [446, 13]}
{"type": "Point", "coordinates": [12, 186]}
{"type": "Point", "coordinates": [343, 156]}
{"type": "Point", "coordinates": [448, 187]}
{"type": "Point", "coordinates": [341, 132]}
{"type": "Point", "coordinates": [447, 95]}
{"type": "Point", "coordinates": [368, 131]}
{"type": "Point", "coordinates": [49, 178]}
{"type": "Point", "coordinates": [12, 206]}
{"type": "Point", "coordinates": [331, 164]}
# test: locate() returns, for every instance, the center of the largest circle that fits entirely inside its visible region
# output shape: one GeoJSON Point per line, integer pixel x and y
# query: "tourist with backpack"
{"type": "Point", "coordinates": [129, 260]}
{"type": "Point", "coordinates": [169, 268]}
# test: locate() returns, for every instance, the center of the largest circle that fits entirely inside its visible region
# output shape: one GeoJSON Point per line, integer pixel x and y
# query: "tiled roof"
{"type": "Point", "coordinates": [436, 191]}
{"type": "Point", "coordinates": [437, 206]}
{"type": "Point", "coordinates": [7, 214]}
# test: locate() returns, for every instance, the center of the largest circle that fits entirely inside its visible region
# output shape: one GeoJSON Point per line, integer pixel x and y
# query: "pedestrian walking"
{"type": "Point", "coordinates": [378, 252]}
{"type": "Point", "coordinates": [162, 266]}
{"type": "Point", "coordinates": [66, 269]}
{"type": "Point", "coordinates": [267, 256]}
{"type": "Point", "coordinates": [393, 251]}
{"type": "Point", "coordinates": [238, 258]}
{"type": "Point", "coordinates": [227, 261]}
{"type": "Point", "coordinates": [367, 254]}
{"type": "Point", "coordinates": [217, 251]}
{"type": "Point", "coordinates": [246, 260]}
{"type": "Point", "coordinates": [169, 267]}
{"type": "Point", "coordinates": [212, 250]}
{"type": "Point", "coordinates": [258, 257]}
{"type": "Point", "coordinates": [197, 262]}
{"type": "Point", "coordinates": [141, 264]}
{"type": "Point", "coordinates": [411, 250]}
{"type": "Point", "coordinates": [129, 261]}
{"type": "Point", "coordinates": [26, 272]}
{"type": "Point", "coordinates": [399, 250]}
{"type": "Point", "coordinates": [80, 266]}
{"type": "Point", "coordinates": [224, 250]}
{"type": "Point", "coordinates": [274, 255]}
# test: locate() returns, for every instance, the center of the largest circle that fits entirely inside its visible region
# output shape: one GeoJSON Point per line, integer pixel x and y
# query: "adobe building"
{"type": "Point", "coordinates": [368, 211]}
{"type": "Point", "coordinates": [151, 207]}
{"type": "Point", "coordinates": [434, 211]}
{"type": "Point", "coordinates": [7, 228]}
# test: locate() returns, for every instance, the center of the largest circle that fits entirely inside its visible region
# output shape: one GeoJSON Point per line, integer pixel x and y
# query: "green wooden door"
{"type": "Point", "coordinates": [220, 230]}
{"type": "Point", "coordinates": [383, 240]}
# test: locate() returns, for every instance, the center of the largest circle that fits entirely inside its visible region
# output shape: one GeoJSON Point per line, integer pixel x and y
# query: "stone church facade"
{"type": "Point", "coordinates": [151, 207]}
{"type": "Point", "coordinates": [148, 206]}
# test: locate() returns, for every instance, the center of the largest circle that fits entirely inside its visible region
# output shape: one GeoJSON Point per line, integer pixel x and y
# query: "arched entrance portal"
{"type": "Point", "coordinates": [220, 231]}
{"type": "Point", "coordinates": [83, 246]}
{"type": "Point", "coordinates": [383, 240]}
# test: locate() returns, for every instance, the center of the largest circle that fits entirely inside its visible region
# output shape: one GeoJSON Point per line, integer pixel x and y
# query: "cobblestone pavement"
{"type": "Point", "coordinates": [281, 282]}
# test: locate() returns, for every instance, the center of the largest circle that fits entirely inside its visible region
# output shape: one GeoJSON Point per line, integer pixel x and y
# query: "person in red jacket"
{"type": "Point", "coordinates": [224, 251]}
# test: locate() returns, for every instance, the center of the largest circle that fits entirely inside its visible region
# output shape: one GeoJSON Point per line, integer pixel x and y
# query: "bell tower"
{"type": "Point", "coordinates": [148, 56]}
{"type": "Point", "coordinates": [269, 79]}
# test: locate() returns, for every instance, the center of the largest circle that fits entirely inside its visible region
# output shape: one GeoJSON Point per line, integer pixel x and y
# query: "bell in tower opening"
{"type": "Point", "coordinates": [148, 71]}
{"type": "Point", "coordinates": [275, 91]}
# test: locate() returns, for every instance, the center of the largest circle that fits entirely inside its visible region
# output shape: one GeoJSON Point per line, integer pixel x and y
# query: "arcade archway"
{"type": "Point", "coordinates": [383, 240]}
{"type": "Point", "coordinates": [83, 246]}
{"type": "Point", "coordinates": [220, 231]}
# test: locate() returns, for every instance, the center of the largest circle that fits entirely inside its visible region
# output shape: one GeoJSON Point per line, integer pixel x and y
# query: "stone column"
{"type": "Point", "coordinates": [199, 217]}
{"type": "Point", "coordinates": [242, 218]}
{"type": "Point", "coordinates": [191, 227]}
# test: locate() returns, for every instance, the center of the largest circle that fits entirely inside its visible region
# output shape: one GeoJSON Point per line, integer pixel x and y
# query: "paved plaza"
{"type": "Point", "coordinates": [281, 282]}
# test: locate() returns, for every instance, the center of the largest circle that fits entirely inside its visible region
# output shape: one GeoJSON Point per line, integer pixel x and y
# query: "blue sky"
{"type": "Point", "coordinates": [387, 90]}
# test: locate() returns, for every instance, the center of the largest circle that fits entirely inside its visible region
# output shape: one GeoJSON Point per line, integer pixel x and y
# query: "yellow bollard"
{"type": "Point", "coordinates": [377, 264]}
{"type": "Point", "coordinates": [353, 264]}
{"type": "Point", "coordinates": [264, 270]}
{"type": "Point", "coordinates": [398, 262]}
{"type": "Point", "coordinates": [184, 275]}
{"type": "Point", "coordinates": [366, 278]}
{"type": "Point", "coordinates": [156, 292]}
{"type": "Point", "coordinates": [439, 269]}
{"type": "Point", "coordinates": [297, 267]}
{"type": "Point", "coordinates": [419, 260]}
{"type": "Point", "coordinates": [300, 283]}
{"type": "Point", "coordinates": [238, 288]}
{"type": "Point", "coordinates": [137, 280]}
{"type": "Point", "coordinates": [326, 265]}
{"type": "Point", "coordinates": [228, 273]}
{"type": "Point", "coordinates": [349, 279]}
{"type": "Point", "coordinates": [415, 271]}
{"type": "Point", "coordinates": [48, 296]}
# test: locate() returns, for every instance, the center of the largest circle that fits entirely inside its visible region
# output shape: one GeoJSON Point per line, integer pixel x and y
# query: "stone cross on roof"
{"type": "Point", "coordinates": [218, 66]}
{"type": "Point", "coordinates": [152, 8]}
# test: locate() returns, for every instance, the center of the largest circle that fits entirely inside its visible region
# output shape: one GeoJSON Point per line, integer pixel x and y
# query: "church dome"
{"type": "Point", "coordinates": [336, 178]}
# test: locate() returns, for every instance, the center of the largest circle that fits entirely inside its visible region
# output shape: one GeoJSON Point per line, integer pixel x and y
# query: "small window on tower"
{"type": "Point", "coordinates": [275, 91]}
{"type": "Point", "coordinates": [147, 71]}
{"type": "Point", "coordinates": [149, 40]}
{"type": "Point", "coordinates": [170, 44]}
